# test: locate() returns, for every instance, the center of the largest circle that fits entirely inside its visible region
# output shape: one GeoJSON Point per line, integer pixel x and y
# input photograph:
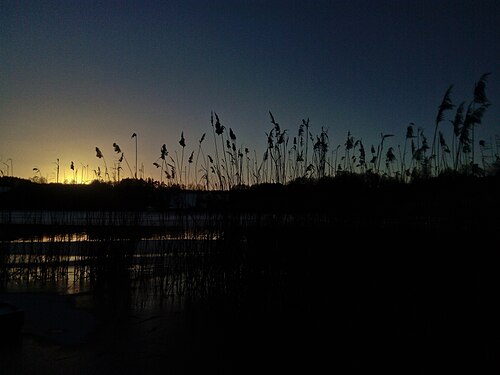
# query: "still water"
{"type": "Point", "coordinates": [175, 301]}
{"type": "Point", "coordinates": [229, 299]}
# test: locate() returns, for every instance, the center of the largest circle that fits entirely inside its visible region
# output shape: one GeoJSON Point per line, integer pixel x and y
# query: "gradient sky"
{"type": "Point", "coordinates": [79, 74]}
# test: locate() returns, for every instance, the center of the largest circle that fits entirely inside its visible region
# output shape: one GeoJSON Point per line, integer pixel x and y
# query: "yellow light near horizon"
{"type": "Point", "coordinates": [79, 175]}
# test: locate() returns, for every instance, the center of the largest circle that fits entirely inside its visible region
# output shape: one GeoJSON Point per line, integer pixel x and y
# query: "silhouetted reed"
{"type": "Point", "coordinates": [312, 156]}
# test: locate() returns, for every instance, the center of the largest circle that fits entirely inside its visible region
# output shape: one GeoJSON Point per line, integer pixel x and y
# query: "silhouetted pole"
{"type": "Point", "coordinates": [135, 136]}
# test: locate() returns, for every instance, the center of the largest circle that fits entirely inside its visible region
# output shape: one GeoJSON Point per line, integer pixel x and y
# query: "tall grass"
{"type": "Point", "coordinates": [233, 165]}
{"type": "Point", "coordinates": [200, 151]}
{"type": "Point", "coordinates": [308, 154]}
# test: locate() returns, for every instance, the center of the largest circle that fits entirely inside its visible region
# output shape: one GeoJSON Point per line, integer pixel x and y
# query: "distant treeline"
{"type": "Point", "coordinates": [355, 197]}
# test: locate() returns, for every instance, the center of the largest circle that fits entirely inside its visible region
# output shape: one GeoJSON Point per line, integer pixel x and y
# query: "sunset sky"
{"type": "Point", "coordinates": [79, 74]}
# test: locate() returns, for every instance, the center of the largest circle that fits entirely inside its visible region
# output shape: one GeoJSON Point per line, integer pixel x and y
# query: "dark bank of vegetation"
{"type": "Point", "coordinates": [356, 202]}
{"type": "Point", "coordinates": [346, 194]}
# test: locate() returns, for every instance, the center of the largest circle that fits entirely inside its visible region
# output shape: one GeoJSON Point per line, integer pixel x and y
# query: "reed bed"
{"type": "Point", "coordinates": [310, 151]}
{"type": "Point", "coordinates": [305, 155]}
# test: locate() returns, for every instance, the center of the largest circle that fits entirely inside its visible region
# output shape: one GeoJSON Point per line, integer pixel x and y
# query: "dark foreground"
{"type": "Point", "coordinates": [344, 277]}
{"type": "Point", "coordinates": [371, 302]}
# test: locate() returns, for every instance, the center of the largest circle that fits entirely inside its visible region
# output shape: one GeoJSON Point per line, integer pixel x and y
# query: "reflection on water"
{"type": "Point", "coordinates": [83, 236]}
{"type": "Point", "coordinates": [234, 295]}
{"type": "Point", "coordinates": [152, 266]}
{"type": "Point", "coordinates": [199, 292]}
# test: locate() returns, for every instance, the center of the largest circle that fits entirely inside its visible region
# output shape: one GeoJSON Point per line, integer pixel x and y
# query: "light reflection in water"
{"type": "Point", "coordinates": [150, 268]}
{"type": "Point", "coordinates": [83, 236]}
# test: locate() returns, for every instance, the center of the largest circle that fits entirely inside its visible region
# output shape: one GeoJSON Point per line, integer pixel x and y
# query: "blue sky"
{"type": "Point", "coordinates": [81, 74]}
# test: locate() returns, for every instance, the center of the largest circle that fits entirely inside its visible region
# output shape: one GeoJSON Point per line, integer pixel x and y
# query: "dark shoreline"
{"type": "Point", "coordinates": [400, 278]}
{"type": "Point", "coordinates": [342, 194]}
